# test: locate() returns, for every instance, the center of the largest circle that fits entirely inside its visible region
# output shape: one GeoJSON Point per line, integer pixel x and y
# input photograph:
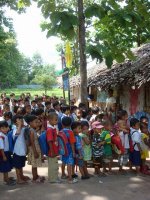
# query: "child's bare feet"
{"type": "Point", "coordinates": [26, 178]}
{"type": "Point", "coordinates": [20, 182]}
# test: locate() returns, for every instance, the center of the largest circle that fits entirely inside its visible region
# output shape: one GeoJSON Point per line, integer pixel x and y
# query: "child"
{"type": "Point", "coordinates": [33, 105]}
{"type": "Point", "coordinates": [124, 130]}
{"type": "Point", "coordinates": [106, 138]}
{"type": "Point", "coordinates": [97, 148]}
{"type": "Point", "coordinates": [124, 136]}
{"type": "Point", "coordinates": [5, 156]}
{"type": "Point", "coordinates": [95, 111]}
{"type": "Point", "coordinates": [6, 108]}
{"type": "Point", "coordinates": [135, 156]}
{"type": "Point", "coordinates": [47, 108]}
{"type": "Point", "coordinates": [8, 118]}
{"type": "Point", "coordinates": [69, 159]}
{"type": "Point", "coordinates": [76, 128]}
{"type": "Point", "coordinates": [73, 113]}
{"type": "Point", "coordinates": [145, 145]}
{"type": "Point", "coordinates": [20, 149]}
{"type": "Point", "coordinates": [34, 151]}
{"type": "Point", "coordinates": [87, 150]}
{"type": "Point", "coordinates": [51, 136]}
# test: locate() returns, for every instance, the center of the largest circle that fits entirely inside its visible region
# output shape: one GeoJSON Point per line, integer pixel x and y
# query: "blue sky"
{"type": "Point", "coordinates": [30, 37]}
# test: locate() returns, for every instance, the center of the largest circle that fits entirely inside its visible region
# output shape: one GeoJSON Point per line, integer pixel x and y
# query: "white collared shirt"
{"type": "Point", "coordinates": [4, 144]}
{"type": "Point", "coordinates": [20, 147]}
{"type": "Point", "coordinates": [124, 139]}
{"type": "Point", "coordinates": [136, 138]}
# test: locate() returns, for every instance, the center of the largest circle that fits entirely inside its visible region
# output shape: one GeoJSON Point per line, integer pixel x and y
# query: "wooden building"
{"type": "Point", "coordinates": [130, 81]}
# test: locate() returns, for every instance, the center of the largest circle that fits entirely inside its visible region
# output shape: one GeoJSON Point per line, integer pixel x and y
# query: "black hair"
{"type": "Point", "coordinates": [100, 116]}
{"type": "Point", "coordinates": [47, 103]}
{"type": "Point", "coordinates": [82, 105]}
{"type": "Point", "coordinates": [120, 114]}
{"type": "Point", "coordinates": [66, 121]}
{"type": "Point", "coordinates": [52, 115]}
{"type": "Point", "coordinates": [73, 108]}
{"type": "Point", "coordinates": [74, 125]}
{"type": "Point", "coordinates": [15, 109]}
{"type": "Point", "coordinates": [33, 101]}
{"type": "Point", "coordinates": [30, 118]}
{"type": "Point", "coordinates": [26, 99]}
{"type": "Point", "coordinates": [8, 114]}
{"type": "Point", "coordinates": [84, 123]}
{"type": "Point", "coordinates": [7, 98]}
{"type": "Point", "coordinates": [12, 94]}
{"type": "Point", "coordinates": [14, 119]}
{"type": "Point", "coordinates": [56, 103]}
{"type": "Point", "coordinates": [143, 117]}
{"type": "Point", "coordinates": [39, 99]}
{"type": "Point", "coordinates": [95, 110]}
{"type": "Point", "coordinates": [39, 111]}
{"type": "Point", "coordinates": [143, 125]}
{"type": "Point", "coordinates": [15, 100]}
{"type": "Point", "coordinates": [3, 124]}
{"type": "Point", "coordinates": [51, 110]}
{"type": "Point", "coordinates": [133, 122]}
{"type": "Point", "coordinates": [84, 113]}
{"type": "Point", "coordinates": [64, 108]}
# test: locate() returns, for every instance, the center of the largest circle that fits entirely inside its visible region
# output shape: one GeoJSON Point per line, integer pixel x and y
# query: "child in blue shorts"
{"type": "Point", "coordinates": [135, 155]}
{"type": "Point", "coordinates": [76, 128]}
{"type": "Point", "coordinates": [69, 159]}
{"type": "Point", "coordinates": [5, 155]}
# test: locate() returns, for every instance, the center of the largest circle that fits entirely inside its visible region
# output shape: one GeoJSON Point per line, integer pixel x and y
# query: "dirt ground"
{"type": "Point", "coordinates": [112, 187]}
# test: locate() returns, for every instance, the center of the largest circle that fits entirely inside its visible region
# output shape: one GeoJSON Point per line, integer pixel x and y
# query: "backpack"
{"type": "Point", "coordinates": [62, 142]}
{"type": "Point", "coordinates": [117, 145]}
{"type": "Point", "coordinates": [0, 151]}
{"type": "Point", "coordinates": [27, 136]}
{"type": "Point", "coordinates": [131, 145]}
{"type": "Point", "coordinates": [43, 143]}
{"type": "Point", "coordinates": [11, 141]}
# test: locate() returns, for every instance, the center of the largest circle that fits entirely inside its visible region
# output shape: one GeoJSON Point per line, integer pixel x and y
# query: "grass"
{"type": "Point", "coordinates": [53, 92]}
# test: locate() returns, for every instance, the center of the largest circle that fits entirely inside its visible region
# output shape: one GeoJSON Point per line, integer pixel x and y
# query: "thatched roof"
{"type": "Point", "coordinates": [131, 73]}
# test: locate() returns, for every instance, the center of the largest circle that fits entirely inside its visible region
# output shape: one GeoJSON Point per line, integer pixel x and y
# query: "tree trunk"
{"type": "Point", "coordinates": [82, 43]}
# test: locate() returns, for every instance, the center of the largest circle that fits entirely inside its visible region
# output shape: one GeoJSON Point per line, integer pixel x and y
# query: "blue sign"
{"type": "Point", "coordinates": [66, 81]}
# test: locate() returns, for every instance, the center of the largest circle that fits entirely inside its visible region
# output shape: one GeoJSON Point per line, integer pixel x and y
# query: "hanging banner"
{"type": "Point", "coordinates": [68, 55]}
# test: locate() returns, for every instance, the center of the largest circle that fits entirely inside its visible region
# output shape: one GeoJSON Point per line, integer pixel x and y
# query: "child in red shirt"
{"type": "Point", "coordinates": [51, 136]}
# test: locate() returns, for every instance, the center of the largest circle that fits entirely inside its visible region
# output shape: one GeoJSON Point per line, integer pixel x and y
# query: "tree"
{"type": "Point", "coordinates": [111, 28]}
{"type": "Point", "coordinates": [82, 46]}
{"type": "Point", "coordinates": [118, 28]}
{"type": "Point", "coordinates": [110, 34]}
{"type": "Point", "coordinates": [46, 77]}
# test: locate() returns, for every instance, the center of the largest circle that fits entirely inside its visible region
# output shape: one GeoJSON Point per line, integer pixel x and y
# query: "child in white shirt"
{"type": "Point", "coordinates": [20, 149]}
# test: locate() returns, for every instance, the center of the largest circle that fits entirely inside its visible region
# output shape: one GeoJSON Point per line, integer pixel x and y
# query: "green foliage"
{"type": "Point", "coordinates": [51, 92]}
{"type": "Point", "coordinates": [46, 76]}
{"type": "Point", "coordinates": [113, 28]}
{"type": "Point", "coordinates": [119, 29]}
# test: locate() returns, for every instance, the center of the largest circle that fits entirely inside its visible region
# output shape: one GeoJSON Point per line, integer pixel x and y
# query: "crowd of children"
{"type": "Point", "coordinates": [76, 136]}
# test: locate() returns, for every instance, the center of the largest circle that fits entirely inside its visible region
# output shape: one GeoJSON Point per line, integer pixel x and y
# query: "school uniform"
{"type": "Point", "coordinates": [5, 166]}
{"type": "Point", "coordinates": [135, 156]}
{"type": "Point", "coordinates": [20, 150]}
{"type": "Point", "coordinates": [69, 159]}
{"type": "Point", "coordinates": [51, 136]}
